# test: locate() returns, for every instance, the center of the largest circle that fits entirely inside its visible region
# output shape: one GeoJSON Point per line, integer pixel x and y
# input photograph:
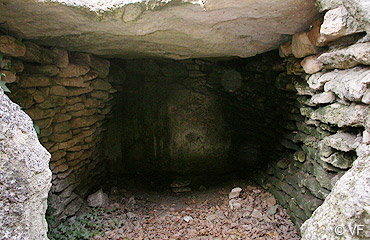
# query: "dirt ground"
{"type": "Point", "coordinates": [205, 213]}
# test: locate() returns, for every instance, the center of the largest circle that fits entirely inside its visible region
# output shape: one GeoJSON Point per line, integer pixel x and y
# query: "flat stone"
{"type": "Point", "coordinates": [72, 82]}
{"type": "Point", "coordinates": [338, 23]}
{"type": "Point", "coordinates": [143, 29]}
{"type": "Point", "coordinates": [48, 70]}
{"type": "Point", "coordinates": [350, 84]}
{"type": "Point", "coordinates": [342, 115]}
{"type": "Point", "coordinates": [74, 70]}
{"type": "Point", "coordinates": [27, 81]}
{"type": "Point", "coordinates": [100, 84]}
{"type": "Point", "coordinates": [10, 47]}
{"type": "Point", "coordinates": [339, 160]}
{"type": "Point", "coordinates": [346, 57]}
{"type": "Point", "coordinates": [302, 46]}
{"type": "Point", "coordinates": [342, 141]}
{"type": "Point", "coordinates": [323, 98]}
{"type": "Point", "coordinates": [285, 50]}
{"type": "Point", "coordinates": [62, 58]}
{"type": "Point", "coordinates": [312, 65]}
{"type": "Point", "coordinates": [315, 36]}
{"type": "Point", "coordinates": [59, 91]}
{"type": "Point", "coordinates": [35, 53]}
{"type": "Point", "coordinates": [235, 193]}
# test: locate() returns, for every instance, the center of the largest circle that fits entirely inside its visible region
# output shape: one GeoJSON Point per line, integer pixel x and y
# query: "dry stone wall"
{"type": "Point", "coordinates": [329, 165]}
{"type": "Point", "coordinates": [68, 96]}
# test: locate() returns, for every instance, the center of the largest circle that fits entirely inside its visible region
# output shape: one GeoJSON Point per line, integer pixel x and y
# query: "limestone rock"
{"type": "Point", "coordinates": [348, 84]}
{"type": "Point", "coordinates": [315, 36]}
{"type": "Point", "coordinates": [302, 46]}
{"type": "Point", "coordinates": [24, 175]}
{"type": "Point", "coordinates": [74, 70]}
{"type": "Point", "coordinates": [346, 57]}
{"type": "Point", "coordinates": [323, 98]}
{"type": "Point", "coordinates": [338, 23]}
{"type": "Point", "coordinates": [285, 50]}
{"type": "Point", "coordinates": [27, 81]}
{"type": "Point", "coordinates": [35, 53]}
{"type": "Point", "coordinates": [235, 193]}
{"type": "Point", "coordinates": [7, 76]}
{"type": "Point", "coordinates": [360, 10]}
{"type": "Point", "coordinates": [342, 115]}
{"type": "Point", "coordinates": [347, 204]}
{"type": "Point", "coordinates": [172, 29]}
{"type": "Point", "coordinates": [98, 199]}
{"type": "Point", "coordinates": [342, 141]}
{"type": "Point", "coordinates": [328, 4]}
{"type": "Point", "coordinates": [317, 81]}
{"type": "Point", "coordinates": [311, 65]}
{"type": "Point", "coordinates": [10, 47]}
{"type": "Point", "coordinates": [339, 160]}
{"type": "Point", "coordinates": [62, 58]}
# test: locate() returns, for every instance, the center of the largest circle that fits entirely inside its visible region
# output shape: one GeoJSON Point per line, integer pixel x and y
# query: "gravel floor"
{"type": "Point", "coordinates": [200, 214]}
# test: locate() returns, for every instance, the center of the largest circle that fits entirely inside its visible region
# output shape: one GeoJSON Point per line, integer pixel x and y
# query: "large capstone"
{"type": "Point", "coordinates": [158, 28]}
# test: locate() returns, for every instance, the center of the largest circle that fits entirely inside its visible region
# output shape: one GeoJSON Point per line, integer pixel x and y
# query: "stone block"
{"type": "Point", "coordinates": [323, 98]}
{"type": "Point", "coordinates": [311, 64]}
{"type": "Point", "coordinates": [62, 58]}
{"type": "Point", "coordinates": [36, 113]}
{"type": "Point", "coordinates": [285, 50]}
{"type": "Point", "coordinates": [338, 22]}
{"type": "Point", "coordinates": [346, 57]}
{"type": "Point", "coordinates": [315, 36]}
{"type": "Point", "coordinates": [100, 84]}
{"type": "Point", "coordinates": [72, 82]}
{"type": "Point", "coordinates": [27, 81]}
{"type": "Point", "coordinates": [302, 46]}
{"type": "Point", "coordinates": [59, 91]}
{"type": "Point", "coordinates": [73, 92]}
{"type": "Point", "coordinates": [74, 70]}
{"type": "Point", "coordinates": [7, 76]}
{"type": "Point", "coordinates": [47, 70]}
{"type": "Point", "coordinates": [35, 53]}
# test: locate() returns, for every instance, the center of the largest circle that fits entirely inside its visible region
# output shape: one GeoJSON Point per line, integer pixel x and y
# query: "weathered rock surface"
{"type": "Point", "coordinates": [24, 175]}
{"type": "Point", "coordinates": [339, 22]}
{"type": "Point", "coordinates": [346, 57]}
{"type": "Point", "coordinates": [174, 29]}
{"type": "Point", "coordinates": [346, 206]}
{"type": "Point", "coordinates": [98, 199]}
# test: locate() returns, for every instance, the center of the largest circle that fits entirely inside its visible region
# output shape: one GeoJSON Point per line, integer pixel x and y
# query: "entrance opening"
{"type": "Point", "coordinates": [182, 135]}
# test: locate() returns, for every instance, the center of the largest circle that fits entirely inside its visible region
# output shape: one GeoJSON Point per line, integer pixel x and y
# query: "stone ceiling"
{"type": "Point", "coordinates": [175, 29]}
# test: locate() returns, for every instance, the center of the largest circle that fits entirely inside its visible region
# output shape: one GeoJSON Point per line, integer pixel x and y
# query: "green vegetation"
{"type": "Point", "coordinates": [84, 226]}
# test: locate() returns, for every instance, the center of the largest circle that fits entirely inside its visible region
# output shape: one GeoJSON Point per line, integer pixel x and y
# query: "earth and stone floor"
{"type": "Point", "coordinates": [136, 212]}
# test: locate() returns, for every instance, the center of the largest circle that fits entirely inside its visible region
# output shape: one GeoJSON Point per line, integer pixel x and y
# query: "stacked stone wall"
{"type": "Point", "coordinates": [329, 71]}
{"type": "Point", "coordinates": [68, 95]}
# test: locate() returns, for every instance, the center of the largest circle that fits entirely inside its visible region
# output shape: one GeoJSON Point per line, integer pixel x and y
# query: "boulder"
{"type": "Point", "coordinates": [360, 10]}
{"type": "Point", "coordinates": [346, 206]}
{"type": "Point", "coordinates": [24, 176]}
